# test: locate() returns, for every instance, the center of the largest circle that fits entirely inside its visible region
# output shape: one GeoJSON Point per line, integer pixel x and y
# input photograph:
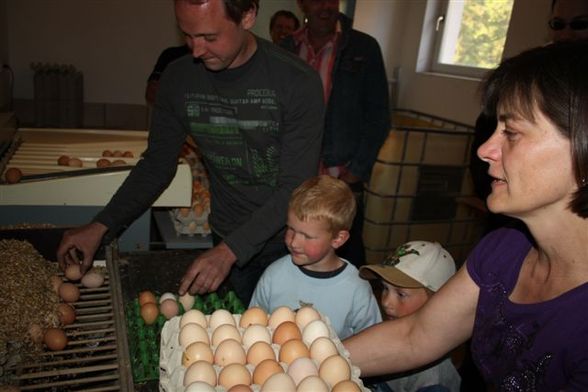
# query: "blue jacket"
{"type": "Point", "coordinates": [357, 118]}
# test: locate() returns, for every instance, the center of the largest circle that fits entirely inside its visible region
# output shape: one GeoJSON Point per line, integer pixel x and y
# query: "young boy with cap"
{"type": "Point", "coordinates": [409, 277]}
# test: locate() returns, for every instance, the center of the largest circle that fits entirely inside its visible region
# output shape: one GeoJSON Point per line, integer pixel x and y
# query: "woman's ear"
{"type": "Point", "coordinates": [340, 238]}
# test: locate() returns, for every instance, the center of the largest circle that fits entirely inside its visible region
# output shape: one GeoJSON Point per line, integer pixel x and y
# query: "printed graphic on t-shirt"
{"type": "Point", "coordinates": [233, 139]}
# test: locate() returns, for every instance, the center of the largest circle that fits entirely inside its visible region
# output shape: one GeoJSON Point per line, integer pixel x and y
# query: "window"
{"type": "Point", "coordinates": [469, 35]}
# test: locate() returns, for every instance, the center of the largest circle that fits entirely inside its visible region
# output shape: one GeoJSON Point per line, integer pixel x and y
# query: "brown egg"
{"type": "Point", "coordinates": [240, 388]}
{"type": "Point", "coordinates": [265, 369]}
{"type": "Point", "coordinates": [229, 351]}
{"type": "Point", "coordinates": [234, 374]}
{"type": "Point", "coordinates": [75, 162]}
{"type": "Point", "coordinates": [117, 153]}
{"type": "Point", "coordinates": [198, 210]}
{"type": "Point", "coordinates": [334, 370]}
{"type": "Point", "coordinates": [197, 351]}
{"type": "Point", "coordinates": [119, 162]}
{"type": "Point", "coordinates": [66, 314]}
{"type": "Point", "coordinates": [279, 315]}
{"type": "Point", "coordinates": [200, 371]}
{"type": "Point", "coordinates": [102, 162]}
{"type": "Point", "coordinates": [253, 315]}
{"type": "Point", "coordinates": [63, 160]}
{"type": "Point", "coordinates": [260, 351]}
{"type": "Point", "coordinates": [55, 339]}
{"type": "Point", "coordinates": [305, 315]}
{"type": "Point", "coordinates": [293, 349]}
{"type": "Point", "coordinates": [128, 154]}
{"type": "Point", "coordinates": [146, 296]}
{"type": "Point", "coordinates": [169, 308]}
{"type": "Point", "coordinates": [149, 313]}
{"type": "Point", "coordinates": [106, 153]}
{"type": "Point", "coordinates": [69, 292]}
{"type": "Point", "coordinates": [287, 330]}
{"type": "Point", "coordinates": [55, 281]}
{"type": "Point", "coordinates": [73, 272]}
{"type": "Point", "coordinates": [322, 348]}
{"type": "Point", "coordinates": [12, 175]}
{"type": "Point", "coordinates": [346, 386]}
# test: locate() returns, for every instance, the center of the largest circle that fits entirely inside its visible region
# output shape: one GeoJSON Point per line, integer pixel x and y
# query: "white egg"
{"type": "Point", "coordinates": [313, 330]}
{"type": "Point", "coordinates": [165, 296]}
{"type": "Point", "coordinates": [193, 316]}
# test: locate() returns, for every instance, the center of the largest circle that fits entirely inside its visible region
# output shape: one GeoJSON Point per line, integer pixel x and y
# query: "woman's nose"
{"type": "Point", "coordinates": [490, 149]}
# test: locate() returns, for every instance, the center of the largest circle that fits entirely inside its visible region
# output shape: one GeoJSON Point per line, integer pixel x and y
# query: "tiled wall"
{"type": "Point", "coordinates": [96, 115]}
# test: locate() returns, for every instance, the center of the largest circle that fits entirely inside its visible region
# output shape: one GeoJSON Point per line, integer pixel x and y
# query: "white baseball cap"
{"type": "Point", "coordinates": [414, 264]}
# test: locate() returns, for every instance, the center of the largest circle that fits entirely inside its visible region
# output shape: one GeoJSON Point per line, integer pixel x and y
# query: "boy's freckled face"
{"type": "Point", "coordinates": [310, 243]}
{"type": "Point", "coordinates": [399, 301]}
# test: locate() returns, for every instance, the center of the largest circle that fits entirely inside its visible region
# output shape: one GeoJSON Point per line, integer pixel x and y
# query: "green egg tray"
{"type": "Point", "coordinates": [144, 339]}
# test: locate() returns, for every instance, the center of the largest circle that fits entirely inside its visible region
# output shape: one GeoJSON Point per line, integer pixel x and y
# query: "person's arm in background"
{"type": "Point", "coordinates": [375, 121]}
{"type": "Point", "coordinates": [407, 343]}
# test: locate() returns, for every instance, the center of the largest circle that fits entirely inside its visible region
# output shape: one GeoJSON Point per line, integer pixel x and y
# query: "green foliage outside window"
{"type": "Point", "coordinates": [484, 25]}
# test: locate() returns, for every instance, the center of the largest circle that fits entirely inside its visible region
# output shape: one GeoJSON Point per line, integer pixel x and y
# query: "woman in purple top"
{"type": "Point", "coordinates": [522, 296]}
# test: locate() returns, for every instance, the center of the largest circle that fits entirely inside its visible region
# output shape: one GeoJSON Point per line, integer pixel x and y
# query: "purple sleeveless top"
{"type": "Point", "coordinates": [525, 347]}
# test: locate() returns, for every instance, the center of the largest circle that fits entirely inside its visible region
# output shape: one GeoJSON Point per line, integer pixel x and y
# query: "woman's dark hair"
{"type": "Point", "coordinates": [553, 78]}
{"type": "Point", "coordinates": [285, 14]}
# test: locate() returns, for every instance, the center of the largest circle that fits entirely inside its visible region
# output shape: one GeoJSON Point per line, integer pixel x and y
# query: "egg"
{"type": "Point", "coordinates": [346, 386]}
{"type": "Point", "coordinates": [102, 162]}
{"type": "Point", "coordinates": [197, 351]}
{"type": "Point", "coordinates": [118, 162]}
{"type": "Point", "coordinates": [256, 333]}
{"type": "Point", "coordinates": [149, 313]}
{"type": "Point", "coordinates": [293, 349]}
{"type": "Point", "coordinates": [313, 330]}
{"type": "Point", "coordinates": [279, 382]}
{"type": "Point", "coordinates": [117, 153]}
{"type": "Point", "coordinates": [200, 386]}
{"type": "Point", "coordinates": [63, 160]}
{"type": "Point", "coordinates": [305, 315]}
{"type": "Point", "coordinates": [322, 348]}
{"type": "Point", "coordinates": [229, 351]}
{"type": "Point", "coordinates": [146, 296]}
{"type": "Point", "coordinates": [234, 374]}
{"type": "Point", "coordinates": [75, 162]}
{"type": "Point", "coordinates": [265, 369]}
{"type": "Point", "coordinates": [220, 317]}
{"type": "Point", "coordinates": [187, 300]}
{"type": "Point", "coordinates": [13, 175]}
{"type": "Point", "coordinates": [55, 282]}
{"type": "Point", "coordinates": [335, 369]}
{"type": "Point", "coordinates": [279, 315]}
{"type": "Point", "coordinates": [169, 308]}
{"type": "Point", "coordinates": [240, 388]}
{"type": "Point", "coordinates": [200, 371]}
{"type": "Point", "coordinates": [69, 292]}
{"type": "Point", "coordinates": [106, 153]}
{"type": "Point", "coordinates": [287, 330]}
{"type": "Point", "coordinates": [253, 315]}
{"type": "Point", "coordinates": [128, 154]}
{"type": "Point", "coordinates": [66, 314]}
{"type": "Point", "coordinates": [301, 368]}
{"type": "Point", "coordinates": [224, 332]}
{"type": "Point", "coordinates": [166, 296]}
{"type": "Point", "coordinates": [191, 333]}
{"type": "Point", "coordinates": [73, 272]}
{"type": "Point", "coordinates": [260, 351]}
{"type": "Point", "coordinates": [55, 339]}
{"type": "Point", "coordinates": [312, 384]}
{"type": "Point", "coordinates": [193, 316]}
{"type": "Point", "coordinates": [92, 279]}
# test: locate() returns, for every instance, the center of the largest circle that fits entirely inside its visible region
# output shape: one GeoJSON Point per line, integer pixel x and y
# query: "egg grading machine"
{"type": "Point", "coordinates": [69, 196]}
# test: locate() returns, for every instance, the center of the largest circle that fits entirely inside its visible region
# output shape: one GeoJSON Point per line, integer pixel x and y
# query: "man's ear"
{"type": "Point", "coordinates": [249, 18]}
{"type": "Point", "coordinates": [340, 238]}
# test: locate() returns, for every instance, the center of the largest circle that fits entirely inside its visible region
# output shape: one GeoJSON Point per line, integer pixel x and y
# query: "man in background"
{"type": "Point", "coordinates": [167, 56]}
{"type": "Point", "coordinates": [282, 24]}
{"type": "Point", "coordinates": [355, 90]}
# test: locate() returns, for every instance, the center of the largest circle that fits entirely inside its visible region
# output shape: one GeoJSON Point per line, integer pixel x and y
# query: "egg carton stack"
{"type": "Point", "coordinates": [285, 351]}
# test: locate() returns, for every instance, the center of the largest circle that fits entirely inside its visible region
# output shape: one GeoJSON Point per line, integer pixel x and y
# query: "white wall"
{"type": "Point", "coordinates": [398, 25]}
{"type": "Point", "coordinates": [115, 44]}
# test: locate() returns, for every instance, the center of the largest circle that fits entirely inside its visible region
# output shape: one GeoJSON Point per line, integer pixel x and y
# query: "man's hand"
{"type": "Point", "coordinates": [208, 270]}
{"type": "Point", "coordinates": [349, 178]}
{"type": "Point", "coordinates": [85, 239]}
